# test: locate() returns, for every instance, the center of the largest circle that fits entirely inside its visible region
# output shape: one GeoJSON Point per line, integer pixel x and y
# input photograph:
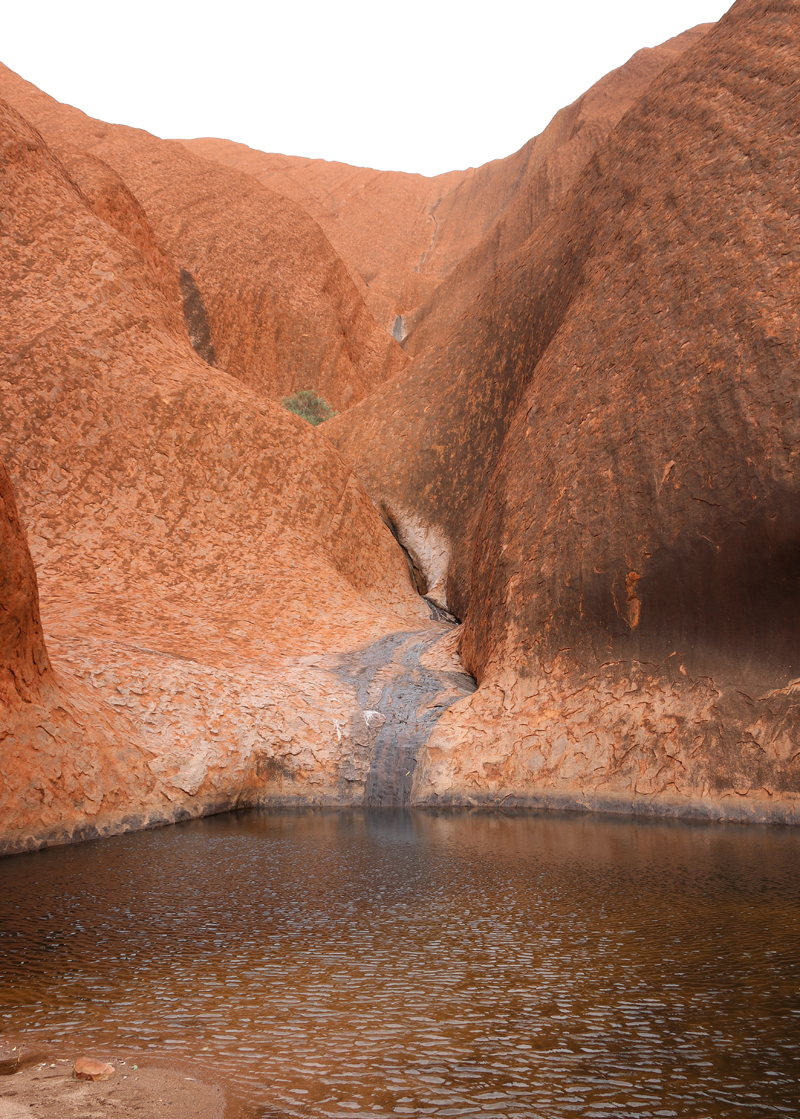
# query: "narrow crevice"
{"type": "Point", "coordinates": [196, 318]}
{"type": "Point", "coordinates": [418, 580]}
{"type": "Point", "coordinates": [440, 615]}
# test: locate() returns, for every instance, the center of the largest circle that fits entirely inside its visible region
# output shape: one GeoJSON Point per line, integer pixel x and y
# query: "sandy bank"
{"type": "Point", "coordinates": [43, 1092]}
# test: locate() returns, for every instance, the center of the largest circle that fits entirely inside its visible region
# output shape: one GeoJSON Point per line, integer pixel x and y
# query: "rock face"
{"type": "Point", "coordinates": [610, 459]}
{"type": "Point", "coordinates": [517, 194]}
{"type": "Point", "coordinates": [381, 223]}
{"type": "Point", "coordinates": [200, 551]}
{"type": "Point", "coordinates": [113, 203]}
{"type": "Point", "coordinates": [26, 673]}
{"type": "Point", "coordinates": [423, 248]}
{"type": "Point", "coordinates": [64, 756]}
{"type": "Point", "coordinates": [283, 313]}
{"type": "Point", "coordinates": [594, 466]}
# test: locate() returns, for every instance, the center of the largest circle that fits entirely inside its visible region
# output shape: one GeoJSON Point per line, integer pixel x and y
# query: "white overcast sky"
{"type": "Point", "coordinates": [412, 86]}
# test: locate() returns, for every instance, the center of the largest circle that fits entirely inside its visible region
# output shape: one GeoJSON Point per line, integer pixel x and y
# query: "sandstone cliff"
{"type": "Point", "coordinates": [381, 223]}
{"type": "Point", "coordinates": [214, 582]}
{"type": "Point", "coordinates": [260, 279]}
{"type": "Point", "coordinates": [26, 673]}
{"type": "Point", "coordinates": [515, 195]}
{"type": "Point", "coordinates": [66, 759]}
{"type": "Point", "coordinates": [402, 235]}
{"type": "Point", "coordinates": [604, 483]}
{"type": "Point", "coordinates": [593, 465]}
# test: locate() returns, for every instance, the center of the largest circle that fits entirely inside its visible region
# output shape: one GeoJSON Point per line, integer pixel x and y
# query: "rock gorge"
{"type": "Point", "coordinates": [546, 554]}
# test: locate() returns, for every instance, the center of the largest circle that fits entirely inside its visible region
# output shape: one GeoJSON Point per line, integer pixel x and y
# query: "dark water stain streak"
{"type": "Point", "coordinates": [406, 699]}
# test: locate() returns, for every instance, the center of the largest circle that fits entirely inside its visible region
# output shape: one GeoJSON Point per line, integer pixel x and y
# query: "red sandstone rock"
{"type": "Point", "coordinates": [595, 470]}
{"type": "Point", "coordinates": [595, 466]}
{"type": "Point", "coordinates": [450, 425]}
{"type": "Point", "coordinates": [402, 235]}
{"type": "Point", "coordinates": [65, 759]}
{"type": "Point", "coordinates": [283, 313]}
{"type": "Point", "coordinates": [515, 195]}
{"type": "Point", "coordinates": [631, 607]}
{"type": "Point", "coordinates": [195, 544]}
{"type": "Point", "coordinates": [114, 203]}
{"type": "Point", "coordinates": [86, 1068]}
{"type": "Point", "coordinates": [381, 223]}
{"type": "Point", "coordinates": [25, 674]}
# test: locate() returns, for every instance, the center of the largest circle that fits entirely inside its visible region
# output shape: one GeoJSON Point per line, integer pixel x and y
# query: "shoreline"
{"type": "Point", "coordinates": [42, 1085]}
{"type": "Point", "coordinates": [757, 811]}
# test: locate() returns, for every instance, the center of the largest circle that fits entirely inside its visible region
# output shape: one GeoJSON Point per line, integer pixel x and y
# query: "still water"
{"type": "Point", "coordinates": [412, 963]}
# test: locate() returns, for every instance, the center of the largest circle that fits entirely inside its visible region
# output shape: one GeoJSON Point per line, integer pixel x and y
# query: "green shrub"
{"type": "Point", "coordinates": [309, 406]}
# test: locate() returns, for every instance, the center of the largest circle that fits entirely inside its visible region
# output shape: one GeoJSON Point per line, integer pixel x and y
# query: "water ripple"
{"type": "Point", "coordinates": [413, 964]}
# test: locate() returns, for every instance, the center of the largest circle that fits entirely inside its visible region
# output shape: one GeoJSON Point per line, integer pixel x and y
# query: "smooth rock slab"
{"type": "Point", "coordinates": [86, 1068]}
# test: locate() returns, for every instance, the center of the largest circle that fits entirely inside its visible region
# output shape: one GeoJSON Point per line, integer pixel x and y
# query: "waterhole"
{"type": "Point", "coordinates": [396, 963]}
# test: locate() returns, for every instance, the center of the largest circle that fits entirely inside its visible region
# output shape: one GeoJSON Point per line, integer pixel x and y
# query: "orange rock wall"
{"type": "Point", "coordinates": [633, 612]}
{"type": "Point", "coordinates": [478, 337]}
{"type": "Point", "coordinates": [515, 195]}
{"type": "Point", "coordinates": [381, 223]}
{"type": "Point", "coordinates": [25, 671]}
{"type": "Point", "coordinates": [113, 202]}
{"type": "Point", "coordinates": [65, 759]}
{"type": "Point", "coordinates": [592, 463]}
{"type": "Point", "coordinates": [199, 549]}
{"type": "Point", "coordinates": [422, 247]}
{"type": "Point", "coordinates": [283, 311]}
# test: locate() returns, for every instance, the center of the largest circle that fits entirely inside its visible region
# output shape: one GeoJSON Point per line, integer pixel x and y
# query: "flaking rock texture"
{"type": "Point", "coordinates": [66, 759]}
{"type": "Point", "coordinates": [205, 558]}
{"type": "Point", "coordinates": [26, 673]}
{"type": "Point", "coordinates": [381, 223]}
{"type": "Point", "coordinates": [420, 247]}
{"type": "Point", "coordinates": [113, 202]}
{"type": "Point", "coordinates": [283, 312]}
{"type": "Point", "coordinates": [593, 463]}
{"type": "Point", "coordinates": [425, 444]}
{"type": "Point", "coordinates": [515, 195]}
{"type": "Point", "coordinates": [632, 603]}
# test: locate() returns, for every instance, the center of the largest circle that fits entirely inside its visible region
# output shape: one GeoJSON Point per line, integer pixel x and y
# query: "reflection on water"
{"type": "Point", "coordinates": [408, 963]}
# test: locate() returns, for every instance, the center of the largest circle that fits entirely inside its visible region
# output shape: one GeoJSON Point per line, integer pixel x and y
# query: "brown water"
{"type": "Point", "coordinates": [405, 963]}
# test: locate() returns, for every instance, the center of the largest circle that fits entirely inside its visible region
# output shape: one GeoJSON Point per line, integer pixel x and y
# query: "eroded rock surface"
{"type": "Point", "coordinates": [515, 195]}
{"type": "Point", "coordinates": [66, 759]}
{"type": "Point", "coordinates": [283, 312]}
{"type": "Point", "coordinates": [381, 223]}
{"type": "Point", "coordinates": [594, 465]}
{"type": "Point", "coordinates": [194, 544]}
{"type": "Point", "coordinates": [632, 603]}
{"type": "Point", "coordinates": [26, 674]}
{"type": "Point", "coordinates": [422, 248]}
{"type": "Point", "coordinates": [402, 696]}
{"type": "Point", "coordinates": [425, 445]}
